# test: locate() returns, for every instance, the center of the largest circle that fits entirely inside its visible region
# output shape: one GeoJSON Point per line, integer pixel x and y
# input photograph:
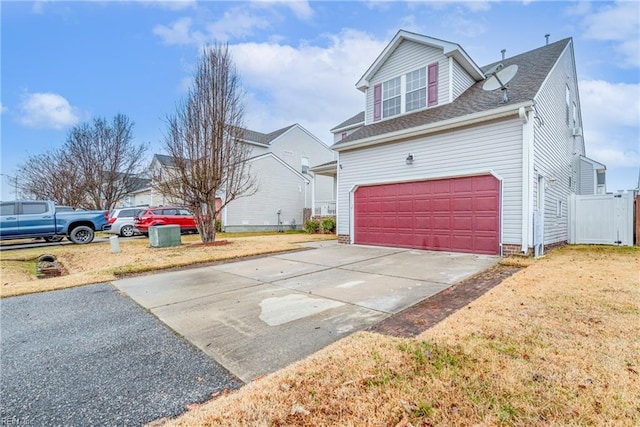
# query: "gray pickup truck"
{"type": "Point", "coordinates": [38, 218]}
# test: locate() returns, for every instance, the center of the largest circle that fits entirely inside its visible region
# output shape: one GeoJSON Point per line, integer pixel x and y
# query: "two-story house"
{"type": "Point", "coordinates": [280, 162]}
{"type": "Point", "coordinates": [437, 162]}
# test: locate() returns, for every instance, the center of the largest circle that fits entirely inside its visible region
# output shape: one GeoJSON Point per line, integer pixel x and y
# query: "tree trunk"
{"type": "Point", "coordinates": [206, 222]}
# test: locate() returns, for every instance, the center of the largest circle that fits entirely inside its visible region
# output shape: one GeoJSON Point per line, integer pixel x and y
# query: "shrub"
{"type": "Point", "coordinates": [311, 226]}
{"type": "Point", "coordinates": [328, 225]}
{"type": "Point", "coordinates": [218, 226]}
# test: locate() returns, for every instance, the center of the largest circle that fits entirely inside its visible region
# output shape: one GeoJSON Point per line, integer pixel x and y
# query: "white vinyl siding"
{"type": "Point", "coordinates": [409, 56]}
{"type": "Point", "coordinates": [279, 188]}
{"type": "Point", "coordinates": [296, 144]}
{"type": "Point", "coordinates": [461, 80]}
{"type": "Point", "coordinates": [554, 143]}
{"type": "Point", "coordinates": [495, 147]}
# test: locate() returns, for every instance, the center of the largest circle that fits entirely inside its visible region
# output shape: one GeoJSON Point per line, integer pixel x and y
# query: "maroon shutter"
{"type": "Point", "coordinates": [377, 102]}
{"type": "Point", "coordinates": [432, 91]}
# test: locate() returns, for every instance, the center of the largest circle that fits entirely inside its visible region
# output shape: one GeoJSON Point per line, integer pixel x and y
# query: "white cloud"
{"type": "Point", "coordinates": [171, 4]}
{"type": "Point", "coordinates": [611, 120]}
{"type": "Point", "coordinates": [3, 108]}
{"type": "Point", "coordinates": [597, 95]}
{"type": "Point", "coordinates": [473, 5]}
{"type": "Point", "coordinates": [618, 23]}
{"type": "Point", "coordinates": [179, 32]}
{"type": "Point", "coordinates": [46, 110]}
{"type": "Point", "coordinates": [300, 8]}
{"type": "Point", "coordinates": [236, 23]}
{"type": "Point", "coordinates": [309, 84]}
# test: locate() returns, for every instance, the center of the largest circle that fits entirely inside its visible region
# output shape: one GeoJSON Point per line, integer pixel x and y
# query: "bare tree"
{"type": "Point", "coordinates": [53, 176]}
{"type": "Point", "coordinates": [107, 159]}
{"type": "Point", "coordinates": [203, 139]}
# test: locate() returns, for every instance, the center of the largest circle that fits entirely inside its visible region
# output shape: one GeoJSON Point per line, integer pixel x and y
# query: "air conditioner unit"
{"type": "Point", "coordinates": [577, 131]}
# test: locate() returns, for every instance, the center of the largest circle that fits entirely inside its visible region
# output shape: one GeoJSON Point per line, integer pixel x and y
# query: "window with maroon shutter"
{"type": "Point", "coordinates": [377, 102]}
{"type": "Point", "coordinates": [433, 84]}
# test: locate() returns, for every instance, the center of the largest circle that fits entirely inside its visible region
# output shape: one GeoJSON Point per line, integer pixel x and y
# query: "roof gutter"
{"type": "Point", "coordinates": [453, 123]}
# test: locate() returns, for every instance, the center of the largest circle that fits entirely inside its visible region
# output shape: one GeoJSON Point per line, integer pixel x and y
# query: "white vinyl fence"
{"type": "Point", "coordinates": [605, 219]}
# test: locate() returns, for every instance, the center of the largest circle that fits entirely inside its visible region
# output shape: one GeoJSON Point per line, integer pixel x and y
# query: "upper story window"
{"type": "Point", "coordinates": [344, 135]}
{"type": "Point", "coordinates": [305, 165]}
{"type": "Point", "coordinates": [406, 93]}
{"type": "Point", "coordinates": [416, 89]}
{"type": "Point", "coordinates": [391, 97]}
{"type": "Point", "coordinates": [575, 115]}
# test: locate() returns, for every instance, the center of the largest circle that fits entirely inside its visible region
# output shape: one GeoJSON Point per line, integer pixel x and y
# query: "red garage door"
{"type": "Point", "coordinates": [456, 214]}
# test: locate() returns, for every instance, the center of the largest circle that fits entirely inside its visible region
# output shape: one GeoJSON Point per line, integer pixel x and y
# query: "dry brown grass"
{"type": "Point", "coordinates": [555, 344]}
{"type": "Point", "coordinates": [95, 263]}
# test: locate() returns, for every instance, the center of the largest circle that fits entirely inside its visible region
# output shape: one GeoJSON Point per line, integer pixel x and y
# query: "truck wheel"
{"type": "Point", "coordinates": [81, 235]}
{"type": "Point", "coordinates": [52, 239]}
{"type": "Point", "coordinates": [127, 231]}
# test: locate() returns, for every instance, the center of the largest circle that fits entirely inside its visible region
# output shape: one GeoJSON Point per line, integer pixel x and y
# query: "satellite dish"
{"type": "Point", "coordinates": [499, 66]}
{"type": "Point", "coordinates": [500, 78]}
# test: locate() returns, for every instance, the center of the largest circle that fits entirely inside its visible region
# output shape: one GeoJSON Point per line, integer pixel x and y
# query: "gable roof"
{"type": "Point", "coordinates": [264, 138]}
{"type": "Point", "coordinates": [350, 122]}
{"type": "Point", "coordinates": [449, 49]}
{"type": "Point", "coordinates": [533, 68]}
{"type": "Point", "coordinates": [279, 160]}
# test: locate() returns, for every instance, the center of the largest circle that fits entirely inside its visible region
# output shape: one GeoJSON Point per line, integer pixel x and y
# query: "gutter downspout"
{"type": "Point", "coordinates": [527, 171]}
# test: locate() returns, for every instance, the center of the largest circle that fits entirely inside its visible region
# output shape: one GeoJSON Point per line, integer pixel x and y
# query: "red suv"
{"type": "Point", "coordinates": [146, 218]}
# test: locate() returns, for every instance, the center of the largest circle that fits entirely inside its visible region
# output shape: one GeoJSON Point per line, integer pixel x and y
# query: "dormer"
{"type": "Point", "coordinates": [413, 73]}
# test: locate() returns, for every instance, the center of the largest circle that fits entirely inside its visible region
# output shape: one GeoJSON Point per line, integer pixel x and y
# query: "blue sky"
{"type": "Point", "coordinates": [65, 63]}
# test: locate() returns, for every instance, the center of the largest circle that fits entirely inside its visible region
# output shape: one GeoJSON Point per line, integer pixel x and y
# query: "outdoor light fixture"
{"type": "Point", "coordinates": [409, 159]}
{"type": "Point", "coordinates": [552, 181]}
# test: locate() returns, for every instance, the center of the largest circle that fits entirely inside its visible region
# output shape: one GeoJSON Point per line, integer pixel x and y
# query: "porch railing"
{"type": "Point", "coordinates": [325, 208]}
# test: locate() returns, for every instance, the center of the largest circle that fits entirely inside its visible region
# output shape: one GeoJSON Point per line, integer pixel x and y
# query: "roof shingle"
{"type": "Point", "coordinates": [533, 68]}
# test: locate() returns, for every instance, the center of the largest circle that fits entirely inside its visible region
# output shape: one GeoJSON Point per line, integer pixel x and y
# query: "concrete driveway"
{"type": "Point", "coordinates": [257, 316]}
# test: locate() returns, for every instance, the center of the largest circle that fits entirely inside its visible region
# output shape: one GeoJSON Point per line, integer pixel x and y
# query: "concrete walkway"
{"type": "Point", "coordinates": [259, 315]}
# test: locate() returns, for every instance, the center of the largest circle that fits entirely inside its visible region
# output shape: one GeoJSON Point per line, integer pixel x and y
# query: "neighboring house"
{"type": "Point", "coordinates": [281, 162]}
{"type": "Point", "coordinates": [436, 162]}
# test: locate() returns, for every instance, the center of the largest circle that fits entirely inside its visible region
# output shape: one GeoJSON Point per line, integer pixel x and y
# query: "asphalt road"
{"type": "Point", "coordinates": [90, 356]}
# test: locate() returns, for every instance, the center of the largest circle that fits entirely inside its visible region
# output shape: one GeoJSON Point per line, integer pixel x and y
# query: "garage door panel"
{"type": "Point", "coordinates": [440, 205]}
{"type": "Point", "coordinates": [441, 223]}
{"type": "Point", "coordinates": [406, 222]}
{"type": "Point", "coordinates": [405, 206]}
{"type": "Point", "coordinates": [441, 186]}
{"type": "Point", "coordinates": [462, 241]}
{"type": "Point", "coordinates": [422, 223]}
{"type": "Point", "coordinates": [462, 204]}
{"type": "Point", "coordinates": [485, 203]}
{"type": "Point", "coordinates": [486, 224]}
{"type": "Point", "coordinates": [457, 214]}
{"type": "Point", "coordinates": [462, 223]}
